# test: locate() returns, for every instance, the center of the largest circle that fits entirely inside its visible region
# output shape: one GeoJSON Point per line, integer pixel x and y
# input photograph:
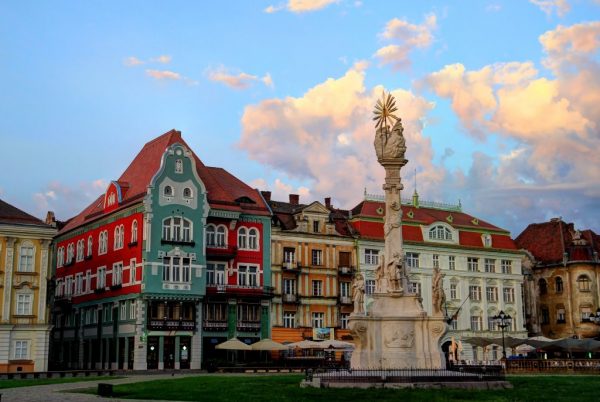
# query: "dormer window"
{"type": "Point", "coordinates": [178, 166]}
{"type": "Point", "coordinates": [187, 192]}
{"type": "Point", "coordinates": [440, 233]}
{"type": "Point", "coordinates": [168, 191]}
{"type": "Point", "coordinates": [487, 240]}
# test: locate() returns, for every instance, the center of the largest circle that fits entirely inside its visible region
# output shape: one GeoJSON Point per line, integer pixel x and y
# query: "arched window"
{"type": "Point", "coordinates": [187, 192]}
{"type": "Point", "coordinates": [242, 240]}
{"type": "Point", "coordinates": [583, 282]}
{"type": "Point", "coordinates": [60, 257]}
{"type": "Point", "coordinates": [211, 236]}
{"type": "Point", "coordinates": [558, 284]}
{"type": "Point", "coordinates": [90, 244]}
{"type": "Point", "coordinates": [80, 250]}
{"type": "Point", "coordinates": [440, 233]}
{"type": "Point", "coordinates": [221, 236]}
{"type": "Point", "coordinates": [253, 239]}
{"type": "Point", "coordinates": [103, 242]}
{"type": "Point", "coordinates": [168, 191]}
{"type": "Point", "coordinates": [177, 229]}
{"type": "Point", "coordinates": [70, 253]}
{"type": "Point", "coordinates": [543, 286]}
{"type": "Point", "coordinates": [134, 231]}
{"type": "Point", "coordinates": [119, 236]}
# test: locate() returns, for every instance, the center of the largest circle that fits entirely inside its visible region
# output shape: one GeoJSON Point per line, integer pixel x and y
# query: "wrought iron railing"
{"type": "Point", "coordinates": [410, 375]}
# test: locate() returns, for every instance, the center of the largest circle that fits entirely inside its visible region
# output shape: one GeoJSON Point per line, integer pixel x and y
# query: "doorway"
{"type": "Point", "coordinates": [169, 352]}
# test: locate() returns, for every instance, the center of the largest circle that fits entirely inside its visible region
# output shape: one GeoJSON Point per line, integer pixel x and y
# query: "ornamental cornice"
{"type": "Point", "coordinates": [218, 213]}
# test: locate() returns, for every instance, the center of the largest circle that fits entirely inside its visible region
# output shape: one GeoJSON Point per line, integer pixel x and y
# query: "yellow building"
{"type": "Point", "coordinates": [313, 259]}
{"type": "Point", "coordinates": [24, 256]}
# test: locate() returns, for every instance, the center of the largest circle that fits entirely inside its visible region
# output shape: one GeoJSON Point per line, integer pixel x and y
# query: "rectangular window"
{"type": "Point", "coordinates": [317, 288]}
{"type": "Point", "coordinates": [123, 310]}
{"type": "Point", "coordinates": [289, 286]}
{"type": "Point", "coordinates": [26, 259]}
{"type": "Point", "coordinates": [101, 278]}
{"type": "Point", "coordinates": [492, 325]}
{"type": "Point", "coordinates": [490, 265]}
{"type": "Point", "coordinates": [317, 257]}
{"type": "Point", "coordinates": [509, 295]}
{"type": "Point", "coordinates": [117, 274]}
{"type": "Point", "coordinates": [289, 319]}
{"type": "Point", "coordinates": [586, 312]}
{"type": "Point", "coordinates": [247, 275]}
{"type": "Point", "coordinates": [415, 287]}
{"type": "Point", "coordinates": [132, 310]}
{"type": "Point", "coordinates": [475, 323]}
{"type": "Point", "coordinates": [560, 316]}
{"type": "Point", "coordinates": [436, 261]}
{"type": "Point", "coordinates": [21, 350]}
{"type": "Point", "coordinates": [345, 289]}
{"type": "Point", "coordinates": [318, 320]}
{"type": "Point", "coordinates": [176, 269]}
{"type": "Point", "coordinates": [369, 286]}
{"type": "Point", "coordinates": [68, 286]}
{"type": "Point", "coordinates": [289, 255]}
{"type": "Point", "coordinates": [453, 291]}
{"type": "Point", "coordinates": [215, 273]}
{"type": "Point", "coordinates": [344, 317]}
{"type": "Point", "coordinates": [108, 313]}
{"type": "Point", "coordinates": [475, 292]}
{"type": "Point", "coordinates": [88, 281]}
{"type": "Point", "coordinates": [344, 259]}
{"type": "Point", "coordinates": [473, 264]}
{"type": "Point", "coordinates": [316, 227]}
{"type": "Point", "coordinates": [24, 304]}
{"type": "Point", "coordinates": [132, 271]}
{"type": "Point", "coordinates": [78, 284]}
{"type": "Point", "coordinates": [506, 266]}
{"type": "Point", "coordinates": [412, 260]}
{"type": "Point", "coordinates": [492, 294]}
{"type": "Point", "coordinates": [371, 256]}
{"type": "Point", "coordinates": [451, 262]}
{"type": "Point", "coordinates": [545, 315]}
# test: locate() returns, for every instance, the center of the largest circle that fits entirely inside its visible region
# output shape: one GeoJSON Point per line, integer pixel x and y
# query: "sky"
{"type": "Point", "coordinates": [498, 99]}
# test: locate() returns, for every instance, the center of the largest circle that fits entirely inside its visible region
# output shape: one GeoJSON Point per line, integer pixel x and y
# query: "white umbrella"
{"type": "Point", "coordinates": [269, 344]}
{"type": "Point", "coordinates": [335, 344]}
{"type": "Point", "coordinates": [233, 344]}
{"type": "Point", "coordinates": [306, 344]}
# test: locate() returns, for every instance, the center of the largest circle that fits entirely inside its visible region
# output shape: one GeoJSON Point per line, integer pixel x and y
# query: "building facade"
{"type": "Point", "coordinates": [131, 269]}
{"type": "Point", "coordinates": [24, 274]}
{"type": "Point", "coordinates": [562, 284]}
{"type": "Point", "coordinates": [313, 261]}
{"type": "Point", "coordinates": [480, 263]}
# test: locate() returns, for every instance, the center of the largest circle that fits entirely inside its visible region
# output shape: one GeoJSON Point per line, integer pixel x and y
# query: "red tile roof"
{"type": "Point", "coordinates": [223, 189]}
{"type": "Point", "coordinates": [12, 215]}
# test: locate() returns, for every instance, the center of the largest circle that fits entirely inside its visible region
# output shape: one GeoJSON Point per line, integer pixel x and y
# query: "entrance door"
{"type": "Point", "coordinates": [184, 352]}
{"type": "Point", "coordinates": [169, 352]}
{"type": "Point", "coordinates": [152, 355]}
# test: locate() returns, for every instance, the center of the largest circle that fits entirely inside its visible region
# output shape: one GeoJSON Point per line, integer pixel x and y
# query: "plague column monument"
{"type": "Point", "coordinates": [395, 332]}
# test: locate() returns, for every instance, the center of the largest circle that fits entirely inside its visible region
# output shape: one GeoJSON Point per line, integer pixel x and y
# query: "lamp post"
{"type": "Point", "coordinates": [503, 320]}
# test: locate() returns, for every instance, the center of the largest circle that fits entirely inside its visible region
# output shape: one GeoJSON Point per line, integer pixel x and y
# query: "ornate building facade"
{"type": "Point", "coordinates": [24, 261]}
{"type": "Point", "coordinates": [133, 269]}
{"type": "Point", "coordinates": [480, 263]}
{"type": "Point", "coordinates": [562, 285]}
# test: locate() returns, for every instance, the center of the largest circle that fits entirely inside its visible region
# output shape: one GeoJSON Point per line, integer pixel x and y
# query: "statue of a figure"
{"type": "Point", "coordinates": [437, 291]}
{"type": "Point", "coordinates": [381, 281]}
{"type": "Point", "coordinates": [390, 144]}
{"type": "Point", "coordinates": [358, 294]}
{"type": "Point", "coordinates": [394, 274]}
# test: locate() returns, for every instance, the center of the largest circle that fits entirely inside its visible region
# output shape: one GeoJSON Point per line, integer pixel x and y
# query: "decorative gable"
{"type": "Point", "coordinates": [114, 195]}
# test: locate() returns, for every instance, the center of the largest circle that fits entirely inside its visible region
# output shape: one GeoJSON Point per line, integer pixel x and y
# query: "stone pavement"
{"type": "Point", "coordinates": [53, 392]}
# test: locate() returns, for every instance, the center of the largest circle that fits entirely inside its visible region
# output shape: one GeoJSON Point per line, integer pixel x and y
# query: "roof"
{"type": "Point", "coordinates": [224, 190]}
{"type": "Point", "coordinates": [12, 215]}
{"type": "Point", "coordinates": [549, 241]}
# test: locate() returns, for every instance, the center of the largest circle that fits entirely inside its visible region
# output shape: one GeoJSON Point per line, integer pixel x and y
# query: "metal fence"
{"type": "Point", "coordinates": [579, 366]}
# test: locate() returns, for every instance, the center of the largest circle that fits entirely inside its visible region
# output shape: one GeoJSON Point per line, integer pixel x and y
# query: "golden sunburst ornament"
{"type": "Point", "coordinates": [384, 111]}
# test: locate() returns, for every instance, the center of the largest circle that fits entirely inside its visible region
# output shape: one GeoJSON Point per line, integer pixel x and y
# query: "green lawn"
{"type": "Point", "coordinates": [46, 381]}
{"type": "Point", "coordinates": [248, 388]}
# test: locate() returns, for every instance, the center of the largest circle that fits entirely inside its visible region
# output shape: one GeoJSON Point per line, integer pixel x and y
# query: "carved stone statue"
{"type": "Point", "coordinates": [390, 144]}
{"type": "Point", "coordinates": [358, 294]}
{"type": "Point", "coordinates": [381, 281]}
{"type": "Point", "coordinates": [437, 291]}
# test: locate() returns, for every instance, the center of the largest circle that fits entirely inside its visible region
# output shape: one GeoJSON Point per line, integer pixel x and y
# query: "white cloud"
{"type": "Point", "coordinates": [164, 75]}
{"type": "Point", "coordinates": [133, 61]}
{"type": "Point", "coordinates": [239, 80]}
{"type": "Point", "coordinates": [560, 7]}
{"type": "Point", "coordinates": [301, 6]}
{"type": "Point", "coordinates": [405, 37]}
{"type": "Point", "coordinates": [67, 200]}
{"type": "Point", "coordinates": [163, 59]}
{"type": "Point", "coordinates": [493, 8]}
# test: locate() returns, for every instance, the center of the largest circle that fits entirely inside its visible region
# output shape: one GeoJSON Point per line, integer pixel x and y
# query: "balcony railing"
{"type": "Point", "coordinates": [251, 326]}
{"type": "Point", "coordinates": [290, 266]}
{"type": "Point", "coordinates": [220, 252]}
{"type": "Point", "coordinates": [210, 325]}
{"type": "Point", "coordinates": [345, 300]}
{"type": "Point", "coordinates": [171, 325]}
{"type": "Point", "coordinates": [345, 270]}
{"type": "Point", "coordinates": [289, 297]}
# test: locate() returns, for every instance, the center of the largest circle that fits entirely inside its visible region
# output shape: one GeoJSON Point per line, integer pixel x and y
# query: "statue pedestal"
{"type": "Point", "coordinates": [397, 334]}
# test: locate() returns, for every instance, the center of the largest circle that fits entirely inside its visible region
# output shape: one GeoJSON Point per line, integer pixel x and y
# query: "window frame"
{"type": "Point", "coordinates": [29, 259]}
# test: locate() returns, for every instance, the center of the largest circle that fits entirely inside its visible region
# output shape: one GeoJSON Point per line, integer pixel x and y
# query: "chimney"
{"type": "Point", "coordinates": [266, 195]}
{"type": "Point", "coordinates": [328, 202]}
{"type": "Point", "coordinates": [50, 218]}
{"type": "Point", "coordinates": [294, 199]}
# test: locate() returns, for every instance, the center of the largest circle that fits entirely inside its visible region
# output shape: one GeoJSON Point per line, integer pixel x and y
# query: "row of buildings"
{"type": "Point", "coordinates": [176, 257]}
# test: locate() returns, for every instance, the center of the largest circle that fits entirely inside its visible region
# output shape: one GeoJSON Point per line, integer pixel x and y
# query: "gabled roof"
{"type": "Point", "coordinates": [548, 242]}
{"type": "Point", "coordinates": [12, 215]}
{"type": "Point", "coordinates": [223, 189]}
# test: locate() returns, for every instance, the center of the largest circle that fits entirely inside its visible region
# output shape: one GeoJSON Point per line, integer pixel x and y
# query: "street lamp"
{"type": "Point", "coordinates": [503, 320]}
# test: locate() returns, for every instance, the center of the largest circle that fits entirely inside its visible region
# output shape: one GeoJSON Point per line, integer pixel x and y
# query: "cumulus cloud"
{"type": "Point", "coordinates": [133, 61]}
{"type": "Point", "coordinates": [560, 7]}
{"type": "Point", "coordinates": [239, 80]}
{"type": "Point", "coordinates": [67, 200]}
{"type": "Point", "coordinates": [163, 75]}
{"type": "Point", "coordinates": [324, 138]}
{"type": "Point", "coordinates": [300, 6]}
{"type": "Point", "coordinates": [405, 37]}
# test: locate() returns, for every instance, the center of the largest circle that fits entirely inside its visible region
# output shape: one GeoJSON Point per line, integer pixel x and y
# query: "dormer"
{"type": "Point", "coordinates": [114, 195]}
{"type": "Point", "coordinates": [315, 219]}
{"type": "Point", "coordinates": [440, 232]}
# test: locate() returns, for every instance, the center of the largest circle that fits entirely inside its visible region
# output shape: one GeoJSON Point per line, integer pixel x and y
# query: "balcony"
{"type": "Point", "coordinates": [214, 325]}
{"type": "Point", "coordinates": [248, 326]}
{"type": "Point", "coordinates": [345, 270]}
{"type": "Point", "coordinates": [289, 298]}
{"type": "Point", "coordinates": [171, 325]}
{"type": "Point", "coordinates": [213, 288]}
{"type": "Point", "coordinates": [345, 300]}
{"type": "Point", "coordinates": [220, 252]}
{"type": "Point", "coordinates": [290, 266]}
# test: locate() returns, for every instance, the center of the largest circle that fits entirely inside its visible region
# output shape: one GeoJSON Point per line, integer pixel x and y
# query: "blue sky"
{"type": "Point", "coordinates": [498, 98]}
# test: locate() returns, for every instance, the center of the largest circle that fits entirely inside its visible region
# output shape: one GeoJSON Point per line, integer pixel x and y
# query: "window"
{"type": "Point", "coordinates": [78, 284]}
{"type": "Point", "coordinates": [492, 325]}
{"type": "Point", "coordinates": [371, 256]}
{"type": "Point", "coordinates": [289, 319]}
{"type": "Point", "coordinates": [101, 278]}
{"type": "Point", "coordinates": [369, 286]}
{"type": "Point", "coordinates": [211, 236]}
{"type": "Point", "coordinates": [487, 240]}
{"type": "Point", "coordinates": [558, 284]}
{"type": "Point", "coordinates": [88, 281]}
{"type": "Point", "coordinates": [123, 312]}
{"type": "Point", "coordinates": [103, 242]}
{"type": "Point", "coordinates": [543, 286]}
{"type": "Point", "coordinates": [289, 286]}
{"type": "Point", "coordinates": [220, 237]}
{"type": "Point", "coordinates": [119, 236]}
{"type": "Point", "coordinates": [344, 319]}
{"type": "Point", "coordinates": [476, 323]}
{"type": "Point", "coordinates": [247, 275]}
{"type": "Point", "coordinates": [453, 291]}
{"type": "Point", "coordinates": [21, 350]}
{"type": "Point", "coordinates": [317, 257]}
{"type": "Point", "coordinates": [560, 315]}
{"type": "Point", "coordinates": [70, 253]}
{"type": "Point", "coordinates": [583, 282]}
{"type": "Point", "coordinates": [475, 292]}
{"type": "Point", "coordinates": [168, 191]}
{"type": "Point", "coordinates": [473, 264]}
{"type": "Point", "coordinates": [489, 265]}
{"type": "Point", "coordinates": [24, 304]}
{"type": "Point", "coordinates": [179, 166]}
{"type": "Point", "coordinates": [60, 257]}
{"type": "Point", "coordinates": [132, 310]}
{"type": "Point", "coordinates": [90, 245]}
{"type": "Point", "coordinates": [176, 269]}
{"type": "Point", "coordinates": [316, 226]}
{"type": "Point", "coordinates": [134, 231]}
{"type": "Point", "coordinates": [318, 320]}
{"type": "Point", "coordinates": [344, 259]}
{"type": "Point", "coordinates": [506, 266]}
{"type": "Point", "coordinates": [436, 261]}
{"type": "Point", "coordinates": [586, 312]}
{"type": "Point", "coordinates": [26, 259]}
{"type": "Point", "coordinates": [253, 239]}
{"type": "Point", "coordinates": [415, 288]}
{"type": "Point", "coordinates": [451, 262]}
{"type": "Point", "coordinates": [289, 255]}
{"type": "Point", "coordinates": [215, 273]}
{"type": "Point", "coordinates": [492, 294]}
{"type": "Point", "coordinates": [80, 250]}
{"type": "Point", "coordinates": [132, 271]}
{"type": "Point", "coordinates": [187, 192]}
{"type": "Point", "coordinates": [242, 240]}
{"type": "Point", "coordinates": [177, 229]}
{"type": "Point", "coordinates": [440, 233]}
{"type": "Point", "coordinates": [412, 260]}
{"type": "Point", "coordinates": [108, 313]}
{"type": "Point", "coordinates": [345, 289]}
{"type": "Point", "coordinates": [509, 295]}
{"type": "Point", "coordinates": [317, 288]}
{"type": "Point", "coordinates": [545, 315]}
{"type": "Point", "coordinates": [117, 274]}
{"type": "Point", "coordinates": [454, 325]}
